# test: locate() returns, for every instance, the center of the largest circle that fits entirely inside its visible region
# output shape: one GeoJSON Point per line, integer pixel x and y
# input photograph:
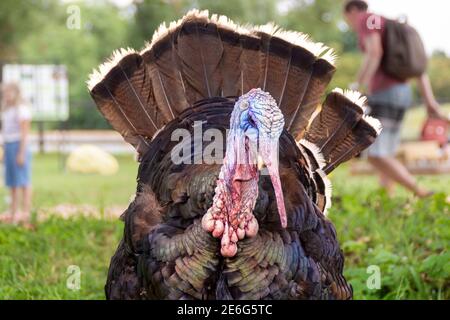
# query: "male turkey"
{"type": "Point", "coordinates": [227, 230]}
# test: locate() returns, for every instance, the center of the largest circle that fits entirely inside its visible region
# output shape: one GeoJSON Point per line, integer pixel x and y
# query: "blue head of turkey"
{"type": "Point", "coordinates": [252, 144]}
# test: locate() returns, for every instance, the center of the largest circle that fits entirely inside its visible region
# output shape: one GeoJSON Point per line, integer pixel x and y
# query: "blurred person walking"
{"type": "Point", "coordinates": [388, 96]}
{"type": "Point", "coordinates": [16, 119]}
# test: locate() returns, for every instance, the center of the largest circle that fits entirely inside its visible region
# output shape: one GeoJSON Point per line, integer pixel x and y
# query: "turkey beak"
{"type": "Point", "coordinates": [268, 150]}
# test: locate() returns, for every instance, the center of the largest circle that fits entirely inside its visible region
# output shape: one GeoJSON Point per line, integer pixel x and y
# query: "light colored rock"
{"type": "Point", "coordinates": [91, 159]}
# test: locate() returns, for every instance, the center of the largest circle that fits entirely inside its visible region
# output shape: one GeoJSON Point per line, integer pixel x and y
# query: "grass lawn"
{"type": "Point", "coordinates": [33, 264]}
{"type": "Point", "coordinates": [406, 238]}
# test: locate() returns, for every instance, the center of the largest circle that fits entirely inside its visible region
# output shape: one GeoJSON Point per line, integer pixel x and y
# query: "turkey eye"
{"type": "Point", "coordinates": [244, 105]}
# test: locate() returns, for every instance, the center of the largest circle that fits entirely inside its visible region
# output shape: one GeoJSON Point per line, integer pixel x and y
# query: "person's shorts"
{"type": "Point", "coordinates": [16, 175]}
{"type": "Point", "coordinates": [389, 108]}
{"type": "Point", "coordinates": [387, 142]}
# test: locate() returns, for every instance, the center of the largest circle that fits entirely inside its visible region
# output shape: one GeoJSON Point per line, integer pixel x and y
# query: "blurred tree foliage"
{"type": "Point", "coordinates": [322, 19]}
{"type": "Point", "coordinates": [17, 20]}
{"type": "Point", "coordinates": [35, 31]}
{"type": "Point", "coordinates": [102, 30]}
{"type": "Point", "coordinates": [438, 69]}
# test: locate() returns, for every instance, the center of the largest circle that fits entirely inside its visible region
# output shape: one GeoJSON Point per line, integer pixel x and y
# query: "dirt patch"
{"type": "Point", "coordinates": [68, 210]}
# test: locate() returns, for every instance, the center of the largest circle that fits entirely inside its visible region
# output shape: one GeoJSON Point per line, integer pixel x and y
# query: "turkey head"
{"type": "Point", "coordinates": [255, 127]}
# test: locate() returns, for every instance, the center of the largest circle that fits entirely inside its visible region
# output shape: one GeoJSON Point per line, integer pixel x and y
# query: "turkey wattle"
{"type": "Point", "coordinates": [226, 230]}
{"type": "Point", "coordinates": [255, 121]}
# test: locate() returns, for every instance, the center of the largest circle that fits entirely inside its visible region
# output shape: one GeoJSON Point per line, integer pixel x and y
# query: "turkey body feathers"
{"type": "Point", "coordinates": [176, 259]}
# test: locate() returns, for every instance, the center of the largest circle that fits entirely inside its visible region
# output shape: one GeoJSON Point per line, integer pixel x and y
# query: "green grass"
{"type": "Point", "coordinates": [33, 264]}
{"type": "Point", "coordinates": [405, 237]}
{"type": "Point", "coordinates": [53, 185]}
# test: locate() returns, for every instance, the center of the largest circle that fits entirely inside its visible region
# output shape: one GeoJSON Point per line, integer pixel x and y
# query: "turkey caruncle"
{"type": "Point", "coordinates": [225, 231]}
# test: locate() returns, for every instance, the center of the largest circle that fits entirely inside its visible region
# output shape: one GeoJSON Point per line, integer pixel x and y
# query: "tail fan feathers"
{"type": "Point", "coordinates": [337, 133]}
{"type": "Point", "coordinates": [340, 131]}
{"type": "Point", "coordinates": [199, 57]}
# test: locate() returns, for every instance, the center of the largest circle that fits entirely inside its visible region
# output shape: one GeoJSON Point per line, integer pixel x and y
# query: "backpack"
{"type": "Point", "coordinates": [404, 54]}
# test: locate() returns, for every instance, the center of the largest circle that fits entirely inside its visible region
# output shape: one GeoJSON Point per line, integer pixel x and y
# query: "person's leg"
{"type": "Point", "coordinates": [382, 146]}
{"type": "Point", "coordinates": [26, 203]}
{"type": "Point", "coordinates": [24, 180]}
{"type": "Point", "coordinates": [23, 205]}
{"type": "Point", "coordinates": [381, 154]}
{"type": "Point", "coordinates": [14, 203]}
{"type": "Point", "coordinates": [386, 183]}
{"type": "Point", "coordinates": [396, 171]}
{"type": "Point", "coordinates": [9, 163]}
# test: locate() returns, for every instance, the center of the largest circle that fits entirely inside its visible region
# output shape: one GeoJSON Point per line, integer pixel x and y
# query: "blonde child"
{"type": "Point", "coordinates": [16, 118]}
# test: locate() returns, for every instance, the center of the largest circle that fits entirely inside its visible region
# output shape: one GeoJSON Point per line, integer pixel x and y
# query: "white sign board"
{"type": "Point", "coordinates": [45, 87]}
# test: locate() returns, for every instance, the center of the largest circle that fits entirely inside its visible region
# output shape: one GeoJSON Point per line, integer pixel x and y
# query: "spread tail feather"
{"type": "Point", "coordinates": [338, 132]}
{"type": "Point", "coordinates": [316, 163]}
{"type": "Point", "coordinates": [320, 77]}
{"type": "Point", "coordinates": [341, 130]}
{"type": "Point", "coordinates": [124, 97]}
